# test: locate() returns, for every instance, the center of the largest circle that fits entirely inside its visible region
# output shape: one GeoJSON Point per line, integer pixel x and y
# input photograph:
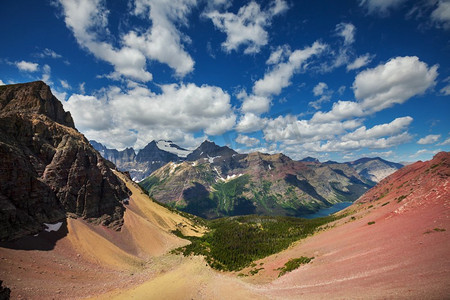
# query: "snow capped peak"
{"type": "Point", "coordinates": [170, 147]}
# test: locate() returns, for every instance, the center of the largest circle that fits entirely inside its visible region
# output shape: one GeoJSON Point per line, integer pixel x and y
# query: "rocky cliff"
{"type": "Point", "coordinates": [48, 169]}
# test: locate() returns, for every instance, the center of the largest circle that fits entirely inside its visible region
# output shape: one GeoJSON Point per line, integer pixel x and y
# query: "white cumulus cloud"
{"type": "Point", "coordinates": [429, 139]}
{"type": "Point", "coordinates": [163, 41]}
{"type": "Point", "coordinates": [280, 76]}
{"type": "Point", "coordinates": [347, 31]}
{"type": "Point", "coordinates": [441, 15]}
{"type": "Point", "coordinates": [360, 62]}
{"type": "Point", "coordinates": [246, 140]}
{"type": "Point", "coordinates": [321, 90]}
{"type": "Point", "coordinates": [276, 79]}
{"type": "Point", "coordinates": [382, 87]}
{"type": "Point", "coordinates": [88, 20]}
{"type": "Point", "coordinates": [27, 66]}
{"type": "Point", "coordinates": [49, 53]}
{"type": "Point", "coordinates": [446, 142]}
{"type": "Point", "coordinates": [250, 122]}
{"type": "Point", "coordinates": [399, 125]}
{"type": "Point", "coordinates": [393, 82]}
{"type": "Point", "coordinates": [248, 27]}
{"type": "Point", "coordinates": [140, 115]}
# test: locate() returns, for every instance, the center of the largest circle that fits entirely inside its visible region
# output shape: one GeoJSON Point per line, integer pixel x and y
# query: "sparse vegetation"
{"type": "Point", "coordinates": [255, 271]}
{"type": "Point", "coordinates": [383, 194]}
{"type": "Point", "coordinates": [371, 223]}
{"type": "Point", "coordinates": [293, 264]}
{"type": "Point", "coordinates": [400, 199]}
{"type": "Point", "coordinates": [434, 230]}
{"type": "Point", "coordinates": [370, 206]}
{"type": "Point", "coordinates": [384, 204]}
{"type": "Point", "coordinates": [233, 243]}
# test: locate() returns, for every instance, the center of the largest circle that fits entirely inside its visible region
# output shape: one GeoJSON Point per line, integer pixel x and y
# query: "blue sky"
{"type": "Point", "coordinates": [331, 79]}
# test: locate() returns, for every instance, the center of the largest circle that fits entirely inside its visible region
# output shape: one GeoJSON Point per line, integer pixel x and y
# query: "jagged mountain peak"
{"type": "Point", "coordinates": [310, 159]}
{"type": "Point", "coordinates": [210, 149]}
{"type": "Point", "coordinates": [35, 98]}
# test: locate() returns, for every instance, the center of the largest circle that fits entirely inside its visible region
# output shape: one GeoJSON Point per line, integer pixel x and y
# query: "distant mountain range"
{"type": "Point", "coordinates": [158, 153]}
{"type": "Point", "coordinates": [255, 183]}
{"type": "Point", "coordinates": [152, 157]}
{"type": "Point", "coordinates": [213, 181]}
{"type": "Point", "coordinates": [374, 169]}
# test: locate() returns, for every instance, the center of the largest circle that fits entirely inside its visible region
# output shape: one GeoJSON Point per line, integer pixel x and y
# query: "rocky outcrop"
{"type": "Point", "coordinates": [33, 98]}
{"type": "Point", "coordinates": [48, 169]}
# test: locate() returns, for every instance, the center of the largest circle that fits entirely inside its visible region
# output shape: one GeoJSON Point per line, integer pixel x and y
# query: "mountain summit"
{"type": "Point", "coordinates": [209, 149]}
{"type": "Point", "coordinates": [33, 98]}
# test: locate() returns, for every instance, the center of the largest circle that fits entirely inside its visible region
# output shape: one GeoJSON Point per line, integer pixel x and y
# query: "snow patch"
{"type": "Point", "coordinates": [211, 159]}
{"type": "Point", "coordinates": [173, 166]}
{"type": "Point", "coordinates": [172, 148]}
{"type": "Point", "coordinates": [53, 227]}
{"type": "Point", "coordinates": [231, 177]}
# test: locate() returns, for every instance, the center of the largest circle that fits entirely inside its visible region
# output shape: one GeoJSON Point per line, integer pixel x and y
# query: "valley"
{"type": "Point", "coordinates": [216, 181]}
{"type": "Point", "coordinates": [99, 235]}
{"type": "Point", "coordinates": [224, 150]}
{"type": "Point", "coordinates": [99, 263]}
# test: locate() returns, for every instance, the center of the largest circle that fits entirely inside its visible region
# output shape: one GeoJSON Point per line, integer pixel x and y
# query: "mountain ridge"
{"type": "Point", "coordinates": [268, 184]}
{"type": "Point", "coordinates": [153, 157]}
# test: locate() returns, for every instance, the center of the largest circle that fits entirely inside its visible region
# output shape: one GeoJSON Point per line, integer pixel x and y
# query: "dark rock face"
{"type": "Point", "coordinates": [151, 152]}
{"type": "Point", "coordinates": [5, 292]}
{"type": "Point", "coordinates": [48, 169]}
{"type": "Point", "coordinates": [36, 98]}
{"type": "Point", "coordinates": [210, 149]}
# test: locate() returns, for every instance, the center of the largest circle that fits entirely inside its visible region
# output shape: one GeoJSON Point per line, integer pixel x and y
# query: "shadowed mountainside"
{"type": "Point", "coordinates": [48, 168]}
